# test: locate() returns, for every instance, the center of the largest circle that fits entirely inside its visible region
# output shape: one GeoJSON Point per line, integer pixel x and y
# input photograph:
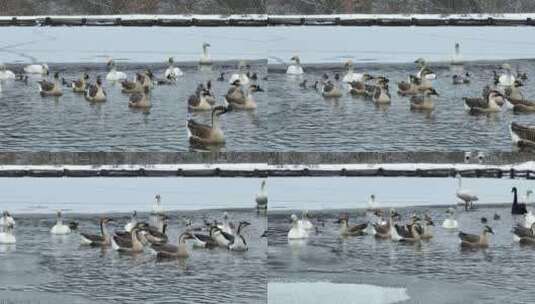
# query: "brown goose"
{"type": "Point", "coordinates": [236, 98]}
{"type": "Point", "coordinates": [204, 134]}
{"type": "Point", "coordinates": [199, 100]}
{"type": "Point", "coordinates": [423, 101]}
{"type": "Point", "coordinates": [474, 240]}
{"type": "Point", "coordinates": [95, 92]}
{"type": "Point", "coordinates": [102, 240]}
{"type": "Point", "coordinates": [140, 100]}
{"type": "Point", "coordinates": [167, 251]}
{"type": "Point", "coordinates": [129, 245]}
{"type": "Point", "coordinates": [522, 135]}
{"type": "Point", "coordinates": [330, 90]}
{"type": "Point", "coordinates": [381, 94]}
{"type": "Point", "coordinates": [136, 86]}
{"type": "Point", "coordinates": [524, 235]}
{"type": "Point", "coordinates": [409, 88]}
{"type": "Point", "coordinates": [408, 233]}
{"type": "Point", "coordinates": [48, 88]}
{"type": "Point", "coordinates": [350, 230]}
{"type": "Point", "coordinates": [80, 85]}
{"type": "Point", "coordinates": [514, 93]}
{"type": "Point", "coordinates": [479, 105]}
{"type": "Point", "coordinates": [384, 231]}
{"type": "Point", "coordinates": [358, 88]}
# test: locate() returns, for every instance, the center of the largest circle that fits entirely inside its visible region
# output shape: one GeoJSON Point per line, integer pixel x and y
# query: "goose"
{"type": "Point", "coordinates": [514, 93]}
{"type": "Point", "coordinates": [384, 230]}
{"type": "Point", "coordinates": [238, 100]}
{"type": "Point", "coordinates": [474, 240]}
{"type": "Point", "coordinates": [172, 72]}
{"type": "Point", "coordinates": [204, 134]}
{"type": "Point", "coordinates": [226, 226]}
{"type": "Point", "coordinates": [351, 76]}
{"type": "Point", "coordinates": [80, 85]}
{"type": "Point", "coordinates": [148, 79]}
{"type": "Point", "coordinates": [134, 86]}
{"type": "Point", "coordinates": [222, 238]}
{"type": "Point", "coordinates": [205, 58]}
{"type": "Point", "coordinates": [521, 134]}
{"type": "Point", "coordinates": [132, 245]}
{"type": "Point", "coordinates": [517, 208]}
{"type": "Point", "coordinates": [350, 230]}
{"type": "Point", "coordinates": [450, 222]}
{"type": "Point", "coordinates": [521, 75]}
{"type": "Point", "coordinates": [424, 101]}
{"type": "Point", "coordinates": [211, 96]}
{"type": "Point", "coordinates": [261, 197]}
{"type": "Point", "coordinates": [6, 74]}
{"type": "Point", "coordinates": [95, 92]}
{"type": "Point", "coordinates": [102, 240]}
{"type": "Point", "coordinates": [459, 79]}
{"type": "Point", "coordinates": [426, 226]}
{"type": "Point", "coordinates": [465, 195]}
{"type": "Point", "coordinates": [240, 75]}
{"type": "Point", "coordinates": [520, 232]}
{"type": "Point", "coordinates": [48, 88]}
{"type": "Point", "coordinates": [205, 241]}
{"type": "Point", "coordinates": [330, 90]}
{"type": "Point", "coordinates": [424, 73]}
{"type": "Point", "coordinates": [36, 69]}
{"type": "Point", "coordinates": [426, 76]}
{"type": "Point", "coordinates": [305, 222]}
{"type": "Point", "coordinates": [381, 94]}
{"type": "Point", "coordinates": [238, 243]}
{"type": "Point", "coordinates": [408, 233]}
{"type": "Point", "coordinates": [180, 250]}
{"type": "Point", "coordinates": [409, 88]}
{"type": "Point", "coordinates": [457, 57]}
{"type": "Point", "coordinates": [480, 105]}
{"type": "Point", "coordinates": [295, 67]}
{"type": "Point", "coordinates": [359, 88]}
{"type": "Point", "coordinates": [296, 231]}
{"type": "Point", "coordinates": [156, 235]}
{"type": "Point", "coordinates": [140, 100]}
{"type": "Point", "coordinates": [200, 100]}
{"type": "Point", "coordinates": [507, 79]}
{"type": "Point", "coordinates": [59, 227]}
{"type": "Point", "coordinates": [114, 75]}
{"type": "Point", "coordinates": [133, 222]}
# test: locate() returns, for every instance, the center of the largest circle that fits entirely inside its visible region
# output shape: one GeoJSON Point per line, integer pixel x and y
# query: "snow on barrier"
{"type": "Point", "coordinates": [274, 20]}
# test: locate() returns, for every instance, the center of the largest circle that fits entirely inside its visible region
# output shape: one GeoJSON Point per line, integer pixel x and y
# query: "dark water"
{"type": "Point", "coordinates": [309, 122]}
{"type": "Point", "coordinates": [70, 123]}
{"type": "Point", "coordinates": [42, 265]}
{"type": "Point", "coordinates": [435, 271]}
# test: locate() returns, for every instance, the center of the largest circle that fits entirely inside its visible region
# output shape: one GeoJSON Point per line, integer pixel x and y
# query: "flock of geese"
{"type": "Point", "coordinates": [138, 235]}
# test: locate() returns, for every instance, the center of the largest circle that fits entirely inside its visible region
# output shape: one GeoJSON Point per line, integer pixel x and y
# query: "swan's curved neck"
{"type": "Point", "coordinates": [515, 198]}
{"type": "Point", "coordinates": [205, 50]}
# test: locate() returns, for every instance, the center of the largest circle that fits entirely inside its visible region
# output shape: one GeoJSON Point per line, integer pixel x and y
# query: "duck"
{"type": "Point", "coordinates": [226, 226]}
{"type": "Point", "coordinates": [474, 240]}
{"type": "Point", "coordinates": [296, 231]}
{"type": "Point", "coordinates": [140, 100]}
{"type": "Point", "coordinates": [465, 195]}
{"type": "Point", "coordinates": [459, 79]}
{"type": "Point", "coordinates": [457, 58]}
{"type": "Point", "coordinates": [381, 94]}
{"type": "Point", "coordinates": [132, 245]}
{"type": "Point", "coordinates": [409, 88]}
{"type": "Point", "coordinates": [6, 74]}
{"type": "Point", "coordinates": [239, 100]}
{"type": "Point", "coordinates": [80, 85]}
{"type": "Point", "coordinates": [95, 240]}
{"type": "Point", "coordinates": [295, 67]}
{"type": "Point", "coordinates": [424, 101]}
{"type": "Point", "coordinates": [517, 208]}
{"type": "Point", "coordinates": [37, 69]}
{"type": "Point", "coordinates": [450, 222]}
{"type": "Point", "coordinates": [241, 75]}
{"type": "Point", "coordinates": [350, 230]}
{"type": "Point", "coordinates": [507, 79]}
{"type": "Point", "coordinates": [261, 198]}
{"type": "Point", "coordinates": [207, 134]}
{"type": "Point", "coordinates": [167, 251]}
{"type": "Point", "coordinates": [48, 88]}
{"type": "Point", "coordinates": [238, 242]}
{"type": "Point", "coordinates": [95, 92]}
{"type": "Point", "coordinates": [114, 75]}
{"type": "Point", "coordinates": [480, 105]}
{"type": "Point", "coordinates": [330, 90]}
{"type": "Point", "coordinates": [351, 76]}
{"type": "Point", "coordinates": [520, 232]}
{"type": "Point", "coordinates": [200, 100]}
{"type": "Point", "coordinates": [59, 227]}
{"type": "Point", "coordinates": [132, 223]}
{"type": "Point", "coordinates": [205, 58]}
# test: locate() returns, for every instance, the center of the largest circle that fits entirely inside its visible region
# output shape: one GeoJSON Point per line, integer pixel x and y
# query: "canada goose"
{"type": "Point", "coordinates": [481, 105]}
{"type": "Point", "coordinates": [80, 85]}
{"type": "Point", "coordinates": [238, 243]}
{"type": "Point", "coordinates": [95, 92]}
{"type": "Point", "coordinates": [199, 100]}
{"type": "Point", "coordinates": [450, 222]}
{"type": "Point", "coordinates": [350, 230]}
{"type": "Point", "coordinates": [381, 94]}
{"type": "Point", "coordinates": [207, 134]}
{"type": "Point", "coordinates": [295, 67]}
{"type": "Point", "coordinates": [330, 90]}
{"type": "Point", "coordinates": [132, 245]}
{"type": "Point", "coordinates": [237, 99]}
{"type": "Point", "coordinates": [507, 78]}
{"type": "Point", "coordinates": [36, 69]}
{"type": "Point", "coordinates": [409, 88]}
{"type": "Point", "coordinates": [517, 208]}
{"type": "Point", "coordinates": [140, 100]}
{"type": "Point", "coordinates": [205, 58]}
{"type": "Point", "coordinates": [114, 75]}
{"type": "Point", "coordinates": [172, 72]}
{"type": "Point", "coordinates": [351, 76]}
{"type": "Point", "coordinates": [180, 250]}
{"type": "Point", "coordinates": [474, 240]}
{"type": "Point", "coordinates": [261, 197]}
{"type": "Point", "coordinates": [459, 79]}
{"type": "Point", "coordinates": [135, 86]}
{"type": "Point", "coordinates": [424, 101]}
{"type": "Point", "coordinates": [240, 75]}
{"type": "Point", "coordinates": [465, 195]}
{"type": "Point", "coordinates": [296, 231]}
{"type": "Point", "coordinates": [47, 88]}
{"type": "Point", "coordinates": [6, 74]}
{"type": "Point", "coordinates": [59, 227]}
{"type": "Point", "coordinates": [102, 240]}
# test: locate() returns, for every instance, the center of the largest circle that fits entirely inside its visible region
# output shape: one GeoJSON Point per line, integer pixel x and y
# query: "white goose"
{"type": "Point", "coordinates": [297, 231]}
{"type": "Point", "coordinates": [5, 74]}
{"type": "Point", "coordinates": [261, 197]}
{"type": "Point", "coordinates": [59, 227]}
{"type": "Point", "coordinates": [450, 222]}
{"type": "Point", "coordinates": [113, 74]}
{"type": "Point", "coordinates": [241, 75]}
{"type": "Point", "coordinates": [7, 224]}
{"type": "Point", "coordinates": [36, 69]}
{"type": "Point", "coordinates": [351, 76]}
{"type": "Point", "coordinates": [172, 72]}
{"type": "Point", "coordinates": [507, 79]}
{"type": "Point", "coordinates": [205, 58]}
{"type": "Point", "coordinates": [295, 67]}
{"type": "Point", "coordinates": [465, 195]}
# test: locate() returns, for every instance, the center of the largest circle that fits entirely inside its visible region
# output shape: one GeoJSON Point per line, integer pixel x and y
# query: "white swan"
{"type": "Point", "coordinates": [226, 225]}
{"type": "Point", "coordinates": [351, 76]}
{"type": "Point", "coordinates": [157, 205]}
{"type": "Point", "coordinates": [422, 65]}
{"type": "Point", "coordinates": [372, 204]}
{"type": "Point", "coordinates": [457, 57]}
{"type": "Point", "coordinates": [113, 74]}
{"type": "Point", "coordinates": [205, 58]}
{"type": "Point", "coordinates": [507, 79]}
{"type": "Point", "coordinates": [133, 222]}
{"type": "Point", "coordinates": [304, 222]}
{"type": "Point", "coordinates": [241, 75]}
{"type": "Point", "coordinates": [465, 195]}
{"type": "Point", "coordinates": [172, 72]}
{"type": "Point", "coordinates": [37, 69]}
{"type": "Point", "coordinates": [295, 67]}
{"type": "Point", "coordinates": [296, 231]}
{"type": "Point", "coordinates": [7, 220]}
{"type": "Point", "coordinates": [7, 224]}
{"type": "Point", "coordinates": [450, 222]}
{"type": "Point", "coordinates": [5, 74]}
{"type": "Point", "coordinates": [59, 227]}
{"type": "Point", "coordinates": [261, 197]}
